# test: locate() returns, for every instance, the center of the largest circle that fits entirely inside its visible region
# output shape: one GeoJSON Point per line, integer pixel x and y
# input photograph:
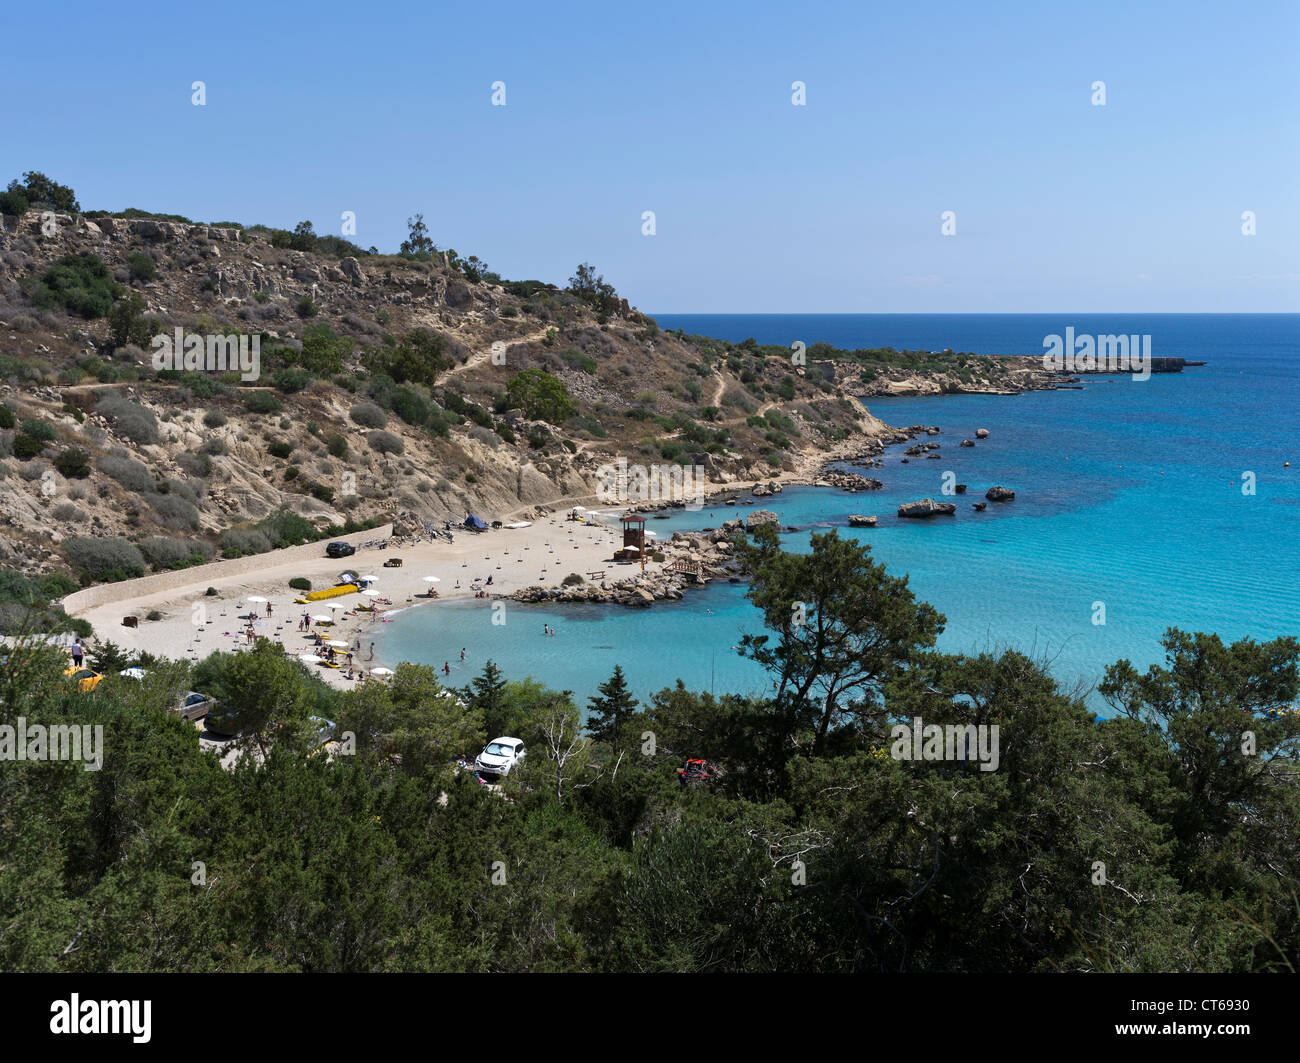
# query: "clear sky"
{"type": "Point", "coordinates": [684, 109]}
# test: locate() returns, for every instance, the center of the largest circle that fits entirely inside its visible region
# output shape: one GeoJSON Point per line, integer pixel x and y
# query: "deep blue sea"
{"type": "Point", "coordinates": [1129, 495]}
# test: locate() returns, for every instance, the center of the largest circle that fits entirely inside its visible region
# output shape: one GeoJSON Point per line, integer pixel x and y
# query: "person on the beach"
{"type": "Point", "coordinates": [372, 652]}
{"type": "Point", "coordinates": [268, 608]}
{"type": "Point", "coordinates": [77, 653]}
{"type": "Point", "coordinates": [462, 653]}
{"type": "Point", "coordinates": [446, 668]}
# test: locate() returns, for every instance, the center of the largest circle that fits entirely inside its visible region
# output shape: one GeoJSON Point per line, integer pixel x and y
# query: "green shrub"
{"type": "Point", "coordinates": [127, 323]}
{"type": "Point", "coordinates": [80, 284]}
{"type": "Point", "coordinates": [290, 381]}
{"type": "Point", "coordinates": [337, 446]}
{"type": "Point", "coordinates": [26, 448]}
{"type": "Point", "coordinates": [306, 307]}
{"type": "Point", "coordinates": [74, 464]}
{"type": "Point", "coordinates": [212, 446]}
{"type": "Point", "coordinates": [214, 419]}
{"type": "Point", "coordinates": [280, 449]}
{"type": "Point", "coordinates": [7, 418]}
{"type": "Point", "coordinates": [410, 407]}
{"type": "Point", "coordinates": [298, 583]}
{"type": "Point", "coordinates": [368, 415]}
{"type": "Point", "coordinates": [142, 266]}
{"type": "Point", "coordinates": [262, 402]}
{"type": "Point", "coordinates": [238, 542]}
{"type": "Point", "coordinates": [130, 474]}
{"type": "Point", "coordinates": [105, 559]}
{"type": "Point", "coordinates": [129, 418]}
{"type": "Point", "coordinates": [42, 430]}
{"type": "Point", "coordinates": [163, 552]}
{"type": "Point", "coordinates": [322, 492]}
{"type": "Point", "coordinates": [385, 443]}
{"type": "Point", "coordinates": [175, 513]}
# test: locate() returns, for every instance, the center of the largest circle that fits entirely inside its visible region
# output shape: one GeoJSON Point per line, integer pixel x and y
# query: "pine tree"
{"type": "Point", "coordinates": [612, 709]}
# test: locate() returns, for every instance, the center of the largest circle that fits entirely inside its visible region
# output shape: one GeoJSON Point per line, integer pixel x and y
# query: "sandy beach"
{"type": "Point", "coordinates": [195, 625]}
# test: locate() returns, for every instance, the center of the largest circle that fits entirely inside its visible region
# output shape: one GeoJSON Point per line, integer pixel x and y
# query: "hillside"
{"type": "Point", "coordinates": [378, 392]}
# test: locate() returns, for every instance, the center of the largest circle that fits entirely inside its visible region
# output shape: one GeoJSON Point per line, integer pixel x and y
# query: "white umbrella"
{"type": "Point", "coordinates": [369, 579]}
{"type": "Point", "coordinates": [371, 594]}
{"type": "Point", "coordinates": [336, 605]}
{"type": "Point", "coordinates": [381, 671]}
{"type": "Point", "coordinates": [309, 658]}
{"type": "Point", "coordinates": [254, 598]}
{"type": "Point", "coordinates": [323, 619]}
{"type": "Point", "coordinates": [337, 642]}
{"type": "Point", "coordinates": [651, 535]}
{"type": "Point", "coordinates": [431, 579]}
{"type": "Point", "coordinates": [632, 549]}
{"type": "Point", "coordinates": [134, 673]}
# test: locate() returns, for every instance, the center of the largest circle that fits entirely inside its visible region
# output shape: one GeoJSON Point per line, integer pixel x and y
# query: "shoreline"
{"type": "Point", "coordinates": [194, 624]}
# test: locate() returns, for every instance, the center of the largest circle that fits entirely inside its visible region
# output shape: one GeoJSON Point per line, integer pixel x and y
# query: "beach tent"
{"type": "Point", "coordinates": [474, 523]}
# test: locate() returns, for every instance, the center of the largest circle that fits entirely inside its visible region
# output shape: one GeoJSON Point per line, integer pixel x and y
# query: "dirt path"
{"type": "Point", "coordinates": [482, 357]}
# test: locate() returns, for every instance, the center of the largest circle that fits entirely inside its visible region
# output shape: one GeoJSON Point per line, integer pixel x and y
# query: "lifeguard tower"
{"type": "Point", "coordinates": [633, 537]}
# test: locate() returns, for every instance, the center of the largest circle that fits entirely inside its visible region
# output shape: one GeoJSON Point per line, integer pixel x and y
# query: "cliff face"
{"type": "Point", "coordinates": [190, 460]}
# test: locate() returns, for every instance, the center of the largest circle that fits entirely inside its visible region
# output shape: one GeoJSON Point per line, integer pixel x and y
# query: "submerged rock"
{"type": "Point", "coordinates": [859, 521]}
{"type": "Point", "coordinates": [999, 494]}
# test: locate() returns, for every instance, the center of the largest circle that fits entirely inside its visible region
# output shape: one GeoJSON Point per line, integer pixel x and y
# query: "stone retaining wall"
{"type": "Point", "coordinates": [210, 574]}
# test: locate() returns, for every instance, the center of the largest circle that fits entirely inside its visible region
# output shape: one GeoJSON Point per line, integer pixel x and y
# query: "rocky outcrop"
{"type": "Point", "coordinates": [980, 506]}
{"type": "Point", "coordinates": [761, 516]}
{"type": "Point", "coordinates": [859, 521]}
{"type": "Point", "coordinates": [968, 442]}
{"type": "Point", "coordinates": [999, 494]}
{"type": "Point", "coordinates": [981, 433]}
{"type": "Point", "coordinates": [927, 507]}
{"type": "Point", "coordinates": [849, 481]}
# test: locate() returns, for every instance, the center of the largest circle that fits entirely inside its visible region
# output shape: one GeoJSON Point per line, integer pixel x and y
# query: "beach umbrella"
{"type": "Point", "coordinates": [309, 658]}
{"type": "Point", "coordinates": [254, 598]}
{"type": "Point", "coordinates": [651, 535]}
{"type": "Point", "coordinates": [369, 579]}
{"type": "Point", "coordinates": [371, 594]}
{"type": "Point", "coordinates": [431, 579]}
{"type": "Point", "coordinates": [632, 549]}
{"type": "Point", "coordinates": [323, 619]}
{"type": "Point", "coordinates": [337, 642]}
{"type": "Point", "coordinates": [133, 673]}
{"type": "Point", "coordinates": [381, 671]}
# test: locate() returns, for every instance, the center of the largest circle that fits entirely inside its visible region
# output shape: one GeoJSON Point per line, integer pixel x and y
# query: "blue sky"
{"type": "Point", "coordinates": [685, 109]}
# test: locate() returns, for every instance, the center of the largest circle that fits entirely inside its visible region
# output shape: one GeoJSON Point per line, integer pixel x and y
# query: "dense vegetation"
{"type": "Point", "coordinates": [814, 850]}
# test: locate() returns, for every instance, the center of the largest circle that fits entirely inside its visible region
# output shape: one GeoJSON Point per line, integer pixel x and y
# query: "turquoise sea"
{"type": "Point", "coordinates": [1129, 494]}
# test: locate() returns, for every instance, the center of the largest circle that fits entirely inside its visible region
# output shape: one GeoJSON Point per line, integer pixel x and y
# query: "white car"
{"type": "Point", "coordinates": [500, 755]}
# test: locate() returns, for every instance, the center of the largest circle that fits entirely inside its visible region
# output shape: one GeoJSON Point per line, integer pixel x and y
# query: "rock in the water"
{"type": "Point", "coordinates": [999, 494]}
{"type": "Point", "coordinates": [859, 521]}
{"type": "Point", "coordinates": [926, 507]}
{"type": "Point", "coordinates": [968, 442]}
{"type": "Point", "coordinates": [981, 433]}
{"type": "Point", "coordinates": [961, 489]}
{"type": "Point", "coordinates": [980, 506]}
{"type": "Point", "coordinates": [761, 516]}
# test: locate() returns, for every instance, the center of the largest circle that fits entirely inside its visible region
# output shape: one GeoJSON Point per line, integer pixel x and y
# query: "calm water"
{"type": "Point", "coordinates": [1128, 494]}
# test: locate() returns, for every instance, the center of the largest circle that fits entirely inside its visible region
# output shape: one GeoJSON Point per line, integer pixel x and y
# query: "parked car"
{"type": "Point", "coordinates": [500, 755]}
{"type": "Point", "coordinates": [194, 705]}
{"type": "Point", "coordinates": [340, 549]}
{"type": "Point", "coordinates": [222, 720]}
{"type": "Point", "coordinates": [85, 679]}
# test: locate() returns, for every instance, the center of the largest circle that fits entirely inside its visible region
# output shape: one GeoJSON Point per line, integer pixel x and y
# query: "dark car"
{"type": "Point", "coordinates": [340, 549]}
{"type": "Point", "coordinates": [222, 721]}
